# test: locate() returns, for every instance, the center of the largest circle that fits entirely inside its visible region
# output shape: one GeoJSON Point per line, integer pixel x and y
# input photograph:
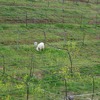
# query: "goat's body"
{"type": "Point", "coordinates": [40, 46]}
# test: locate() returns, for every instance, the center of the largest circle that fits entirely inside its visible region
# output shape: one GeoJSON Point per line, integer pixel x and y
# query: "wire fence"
{"type": "Point", "coordinates": [36, 17]}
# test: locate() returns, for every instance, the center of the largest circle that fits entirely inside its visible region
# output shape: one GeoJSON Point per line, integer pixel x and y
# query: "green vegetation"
{"type": "Point", "coordinates": [71, 55]}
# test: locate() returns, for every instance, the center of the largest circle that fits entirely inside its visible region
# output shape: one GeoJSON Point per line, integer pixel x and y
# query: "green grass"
{"type": "Point", "coordinates": [51, 66]}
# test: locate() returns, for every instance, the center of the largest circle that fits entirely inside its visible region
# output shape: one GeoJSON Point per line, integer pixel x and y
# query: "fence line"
{"type": "Point", "coordinates": [63, 19]}
{"type": "Point", "coordinates": [48, 3]}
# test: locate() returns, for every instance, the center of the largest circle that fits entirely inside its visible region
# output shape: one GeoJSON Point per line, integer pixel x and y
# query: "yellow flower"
{"type": "Point", "coordinates": [19, 86]}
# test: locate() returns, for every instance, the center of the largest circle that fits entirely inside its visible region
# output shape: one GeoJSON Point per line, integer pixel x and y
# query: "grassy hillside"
{"type": "Point", "coordinates": [70, 61]}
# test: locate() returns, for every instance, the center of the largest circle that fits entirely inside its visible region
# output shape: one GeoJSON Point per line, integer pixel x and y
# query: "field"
{"type": "Point", "coordinates": [70, 62]}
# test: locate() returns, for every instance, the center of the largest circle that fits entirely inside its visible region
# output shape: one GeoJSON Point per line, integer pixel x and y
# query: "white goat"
{"type": "Point", "coordinates": [39, 46]}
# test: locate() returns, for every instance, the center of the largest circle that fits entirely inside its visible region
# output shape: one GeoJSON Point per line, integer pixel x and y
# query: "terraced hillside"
{"type": "Point", "coordinates": [69, 64]}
